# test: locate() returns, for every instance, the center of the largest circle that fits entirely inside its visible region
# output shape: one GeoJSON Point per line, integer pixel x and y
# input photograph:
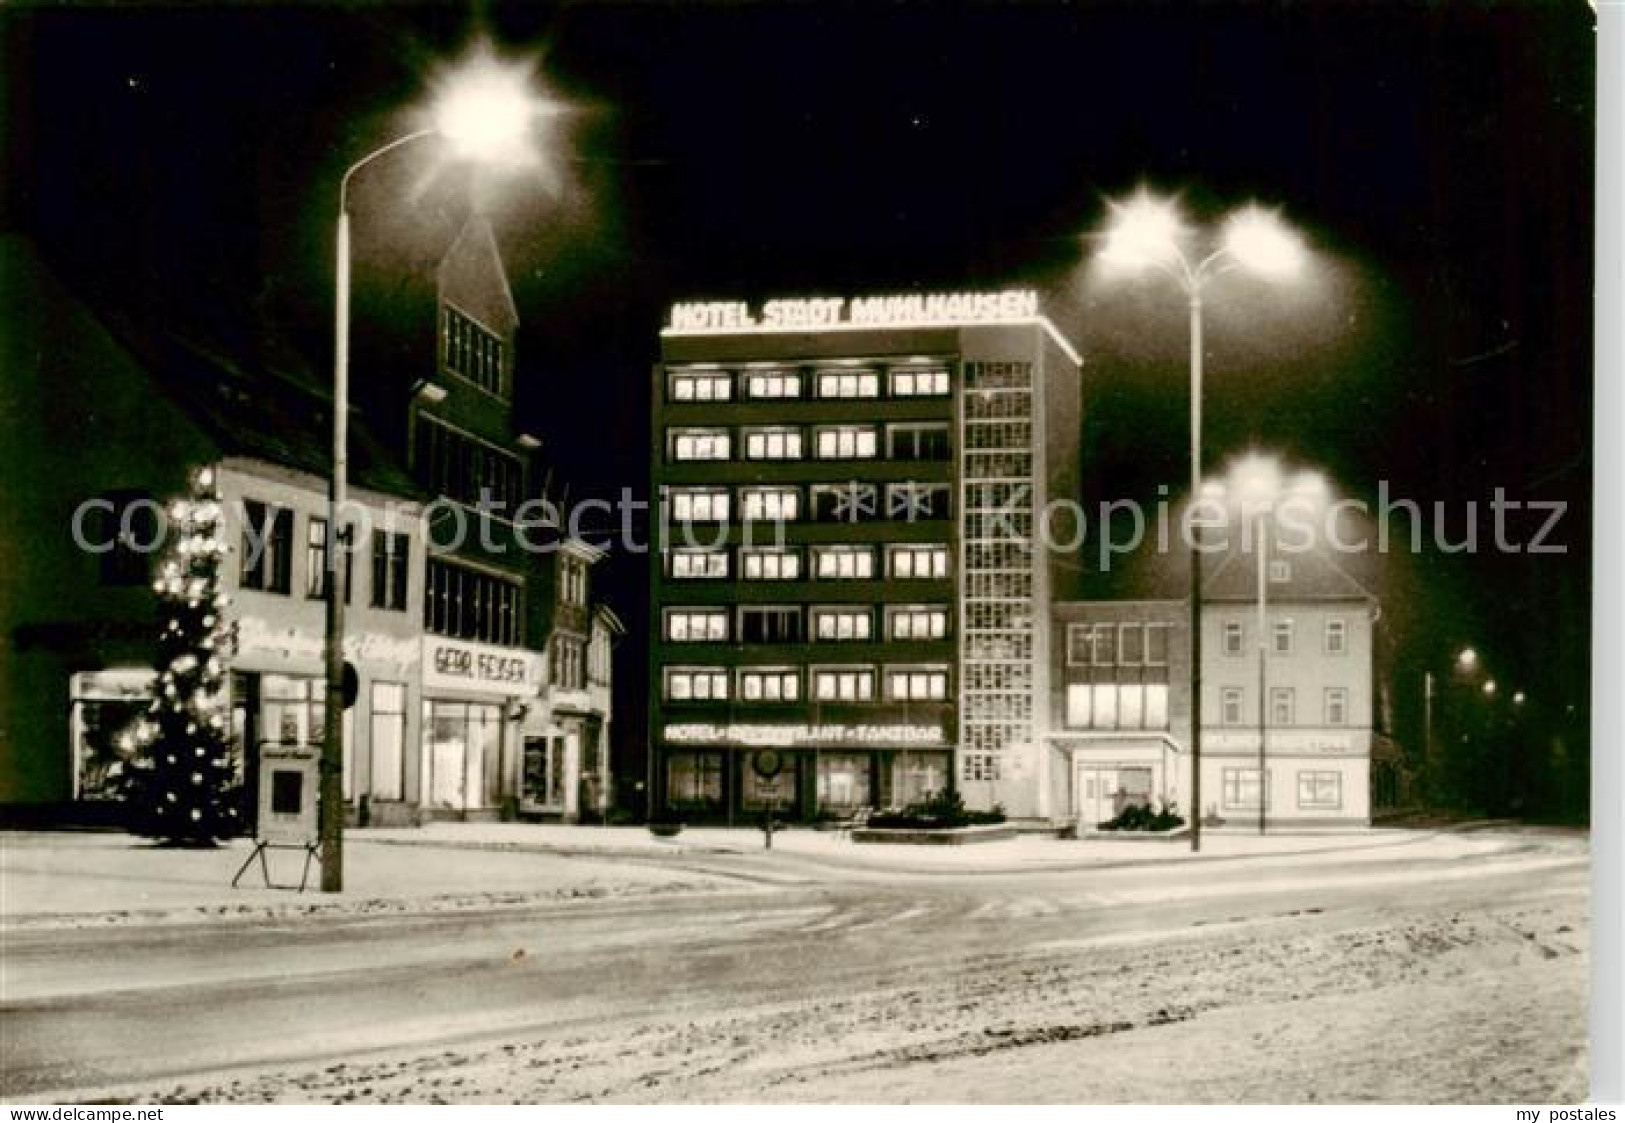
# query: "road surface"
{"type": "Point", "coordinates": [1437, 971]}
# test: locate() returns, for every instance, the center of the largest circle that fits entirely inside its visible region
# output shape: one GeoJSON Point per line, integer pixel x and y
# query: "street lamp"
{"type": "Point", "coordinates": [1260, 487]}
{"type": "Point", "coordinates": [483, 111]}
{"type": "Point", "coordinates": [1146, 231]}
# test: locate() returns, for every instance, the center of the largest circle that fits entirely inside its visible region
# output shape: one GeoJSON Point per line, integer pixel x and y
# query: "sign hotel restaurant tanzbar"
{"type": "Point", "coordinates": [907, 310]}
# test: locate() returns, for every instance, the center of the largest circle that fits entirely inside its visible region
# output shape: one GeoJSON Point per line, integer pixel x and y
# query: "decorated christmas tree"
{"type": "Point", "coordinates": [182, 786]}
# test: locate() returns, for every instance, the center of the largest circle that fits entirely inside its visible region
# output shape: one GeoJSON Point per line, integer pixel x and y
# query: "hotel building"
{"type": "Point", "coordinates": [845, 588]}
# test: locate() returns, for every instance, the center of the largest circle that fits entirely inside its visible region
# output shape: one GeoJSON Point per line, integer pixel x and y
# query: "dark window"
{"type": "Point", "coordinates": [918, 442]}
{"type": "Point", "coordinates": [391, 554]}
{"type": "Point", "coordinates": [473, 352]}
{"type": "Point", "coordinates": [316, 546]}
{"type": "Point", "coordinates": [467, 604]}
{"type": "Point", "coordinates": [130, 528]}
{"type": "Point", "coordinates": [267, 547]}
{"type": "Point", "coordinates": [770, 625]}
{"type": "Point", "coordinates": [467, 470]}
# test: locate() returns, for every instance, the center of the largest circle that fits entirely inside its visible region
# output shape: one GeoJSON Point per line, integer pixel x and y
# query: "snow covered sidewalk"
{"type": "Point", "coordinates": [105, 879]}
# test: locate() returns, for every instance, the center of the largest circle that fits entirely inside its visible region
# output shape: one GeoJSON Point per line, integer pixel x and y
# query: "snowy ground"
{"type": "Point", "coordinates": [1449, 968]}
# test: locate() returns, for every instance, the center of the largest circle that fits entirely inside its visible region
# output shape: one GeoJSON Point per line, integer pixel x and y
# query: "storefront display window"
{"type": "Point", "coordinates": [843, 781]}
{"type": "Point", "coordinates": [106, 707]}
{"type": "Point", "coordinates": [694, 780]}
{"type": "Point", "coordinates": [462, 750]}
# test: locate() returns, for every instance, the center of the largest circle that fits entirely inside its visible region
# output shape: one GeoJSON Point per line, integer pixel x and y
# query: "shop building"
{"type": "Point", "coordinates": [845, 593]}
{"type": "Point", "coordinates": [1121, 709]}
{"type": "Point", "coordinates": [103, 424]}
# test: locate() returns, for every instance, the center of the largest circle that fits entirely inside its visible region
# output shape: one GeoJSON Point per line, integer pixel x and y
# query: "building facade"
{"type": "Point", "coordinates": [845, 593]}
{"type": "Point", "coordinates": [1121, 708]}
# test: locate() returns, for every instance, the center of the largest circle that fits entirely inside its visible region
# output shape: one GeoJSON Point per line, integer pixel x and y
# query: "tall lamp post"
{"type": "Point", "coordinates": [483, 112]}
{"type": "Point", "coordinates": [1148, 232]}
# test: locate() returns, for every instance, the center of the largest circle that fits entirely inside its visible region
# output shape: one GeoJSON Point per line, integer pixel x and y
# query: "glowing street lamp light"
{"type": "Point", "coordinates": [1518, 698]}
{"type": "Point", "coordinates": [483, 110]}
{"type": "Point", "coordinates": [1489, 688]}
{"type": "Point", "coordinates": [1467, 659]}
{"type": "Point", "coordinates": [1147, 231]}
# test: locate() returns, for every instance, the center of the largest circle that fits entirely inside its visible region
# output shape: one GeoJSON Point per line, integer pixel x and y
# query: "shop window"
{"type": "Point", "coordinates": [843, 781]}
{"type": "Point", "coordinates": [1240, 789]}
{"type": "Point", "coordinates": [1320, 791]}
{"type": "Point", "coordinates": [462, 744]}
{"type": "Point", "coordinates": [388, 740]}
{"type": "Point", "coordinates": [694, 781]}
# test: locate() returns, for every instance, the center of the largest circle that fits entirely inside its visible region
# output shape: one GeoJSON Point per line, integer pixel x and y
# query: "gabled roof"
{"type": "Point", "coordinates": [471, 276]}
{"type": "Point", "coordinates": [1310, 575]}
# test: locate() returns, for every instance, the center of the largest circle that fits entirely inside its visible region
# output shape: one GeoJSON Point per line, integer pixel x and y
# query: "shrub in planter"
{"type": "Point", "coordinates": [943, 811]}
{"type": "Point", "coordinates": [665, 826]}
{"type": "Point", "coordinates": [1137, 817]}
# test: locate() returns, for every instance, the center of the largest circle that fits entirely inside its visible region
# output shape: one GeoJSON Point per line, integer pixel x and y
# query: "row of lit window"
{"type": "Point", "coordinates": [904, 441]}
{"type": "Point", "coordinates": [1132, 644]}
{"type": "Point", "coordinates": [472, 352]}
{"type": "Point", "coordinates": [830, 563]}
{"type": "Point", "coordinates": [711, 385]}
{"type": "Point", "coordinates": [1334, 637]}
{"type": "Point", "coordinates": [783, 684]}
{"type": "Point", "coordinates": [791, 624]}
{"type": "Point", "coordinates": [848, 502]}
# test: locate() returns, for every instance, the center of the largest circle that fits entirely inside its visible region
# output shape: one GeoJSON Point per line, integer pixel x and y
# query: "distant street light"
{"type": "Point", "coordinates": [1259, 486]}
{"type": "Point", "coordinates": [483, 110]}
{"type": "Point", "coordinates": [1489, 687]}
{"type": "Point", "coordinates": [1518, 699]}
{"type": "Point", "coordinates": [1468, 659]}
{"type": "Point", "coordinates": [1146, 231]}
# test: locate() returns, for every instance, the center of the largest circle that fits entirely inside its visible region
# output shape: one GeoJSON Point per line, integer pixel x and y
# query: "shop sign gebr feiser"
{"type": "Point", "coordinates": [460, 665]}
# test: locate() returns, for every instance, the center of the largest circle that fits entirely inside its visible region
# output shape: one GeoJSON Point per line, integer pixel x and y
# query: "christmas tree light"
{"type": "Point", "coordinates": [183, 786]}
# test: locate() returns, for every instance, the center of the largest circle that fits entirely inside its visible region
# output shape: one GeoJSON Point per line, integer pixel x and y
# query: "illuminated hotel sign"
{"type": "Point", "coordinates": [907, 310]}
{"type": "Point", "coordinates": [782, 736]}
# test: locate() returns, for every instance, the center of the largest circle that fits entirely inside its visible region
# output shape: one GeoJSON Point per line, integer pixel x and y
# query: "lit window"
{"type": "Point", "coordinates": [846, 442]}
{"type": "Point", "coordinates": [844, 684]}
{"type": "Point", "coordinates": [696, 684]}
{"type": "Point", "coordinates": [919, 382]}
{"type": "Point", "coordinates": [772, 384]}
{"type": "Point", "coordinates": [773, 444]}
{"type": "Point", "coordinates": [701, 386]}
{"type": "Point", "coordinates": [699, 504]}
{"type": "Point", "coordinates": [916, 684]}
{"type": "Point", "coordinates": [848, 384]}
{"type": "Point", "coordinates": [775, 684]}
{"type": "Point", "coordinates": [843, 624]}
{"type": "Point", "coordinates": [709, 564]}
{"type": "Point", "coordinates": [772, 565]}
{"type": "Point", "coordinates": [778, 504]}
{"type": "Point", "coordinates": [918, 562]}
{"type": "Point", "coordinates": [700, 444]}
{"type": "Point", "coordinates": [708, 625]}
{"type": "Point", "coordinates": [918, 623]}
{"type": "Point", "coordinates": [845, 563]}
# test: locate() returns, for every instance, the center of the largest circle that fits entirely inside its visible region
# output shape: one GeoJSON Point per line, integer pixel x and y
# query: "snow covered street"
{"type": "Point", "coordinates": [1447, 967]}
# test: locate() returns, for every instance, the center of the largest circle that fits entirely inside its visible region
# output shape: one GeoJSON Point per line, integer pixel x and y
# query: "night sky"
{"type": "Point", "coordinates": [183, 163]}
